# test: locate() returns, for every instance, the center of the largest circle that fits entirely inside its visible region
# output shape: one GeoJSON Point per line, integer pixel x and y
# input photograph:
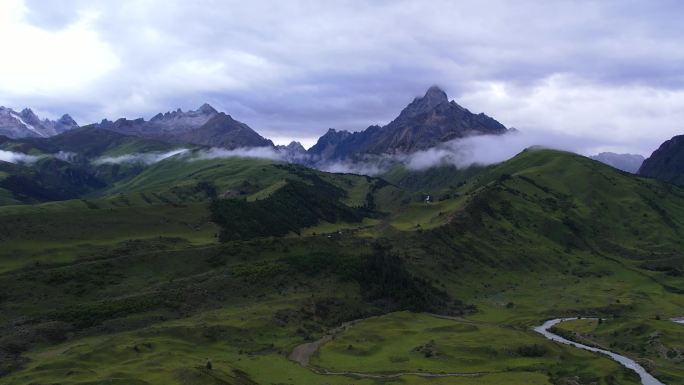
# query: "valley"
{"type": "Point", "coordinates": [341, 192]}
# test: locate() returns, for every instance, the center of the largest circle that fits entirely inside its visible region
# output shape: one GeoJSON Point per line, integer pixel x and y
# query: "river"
{"type": "Point", "coordinates": [646, 378]}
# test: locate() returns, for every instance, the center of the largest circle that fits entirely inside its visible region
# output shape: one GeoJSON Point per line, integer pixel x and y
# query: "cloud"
{"type": "Point", "coordinates": [368, 167]}
{"type": "Point", "coordinates": [371, 166]}
{"type": "Point", "coordinates": [38, 61]}
{"type": "Point", "coordinates": [144, 158]}
{"type": "Point", "coordinates": [251, 152]}
{"type": "Point", "coordinates": [485, 150]}
{"type": "Point", "coordinates": [17, 157]}
{"type": "Point", "coordinates": [294, 69]}
{"type": "Point", "coordinates": [66, 156]}
{"type": "Point", "coordinates": [629, 118]}
{"type": "Point", "coordinates": [481, 150]}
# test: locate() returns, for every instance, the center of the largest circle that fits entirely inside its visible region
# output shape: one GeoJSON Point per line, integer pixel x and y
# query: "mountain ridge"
{"type": "Point", "coordinates": [426, 121]}
{"type": "Point", "coordinates": [423, 123]}
{"type": "Point", "coordinates": [666, 162]}
{"type": "Point", "coordinates": [204, 126]}
{"type": "Point", "coordinates": [27, 124]}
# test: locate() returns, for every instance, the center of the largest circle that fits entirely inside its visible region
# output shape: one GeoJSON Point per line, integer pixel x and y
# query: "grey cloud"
{"type": "Point", "coordinates": [296, 68]}
{"type": "Point", "coordinates": [250, 152]}
{"type": "Point", "coordinates": [145, 158]}
{"type": "Point", "coordinates": [490, 149]}
{"type": "Point", "coordinates": [17, 157]}
{"type": "Point", "coordinates": [480, 150]}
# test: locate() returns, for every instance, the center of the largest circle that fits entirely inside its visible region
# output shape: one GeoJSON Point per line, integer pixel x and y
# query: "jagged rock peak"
{"type": "Point", "coordinates": [206, 108]}
{"type": "Point", "coordinates": [296, 146]}
{"type": "Point", "coordinates": [27, 112]}
{"type": "Point", "coordinates": [67, 119]}
{"type": "Point", "coordinates": [27, 124]}
{"type": "Point", "coordinates": [334, 132]}
{"type": "Point", "coordinates": [435, 96]}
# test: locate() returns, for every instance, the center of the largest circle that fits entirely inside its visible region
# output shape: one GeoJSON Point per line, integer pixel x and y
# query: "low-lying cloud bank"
{"type": "Point", "coordinates": [251, 152]}
{"type": "Point", "coordinates": [17, 157]}
{"type": "Point", "coordinates": [484, 150]}
{"type": "Point", "coordinates": [144, 158]}
{"type": "Point", "coordinates": [481, 150]}
{"type": "Point", "coordinates": [369, 167]}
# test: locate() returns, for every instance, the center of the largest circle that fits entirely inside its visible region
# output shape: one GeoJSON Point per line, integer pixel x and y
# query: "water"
{"type": "Point", "coordinates": [646, 378]}
{"type": "Point", "coordinates": [679, 320]}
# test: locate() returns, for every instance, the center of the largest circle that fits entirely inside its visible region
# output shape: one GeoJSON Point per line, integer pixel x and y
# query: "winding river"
{"type": "Point", "coordinates": [646, 378]}
{"type": "Point", "coordinates": [302, 354]}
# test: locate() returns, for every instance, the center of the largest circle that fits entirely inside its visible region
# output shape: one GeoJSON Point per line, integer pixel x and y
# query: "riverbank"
{"type": "Point", "coordinates": [646, 378]}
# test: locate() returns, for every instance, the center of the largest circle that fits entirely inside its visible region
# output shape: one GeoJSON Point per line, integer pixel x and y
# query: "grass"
{"type": "Point", "coordinates": [405, 342]}
{"type": "Point", "coordinates": [245, 339]}
{"type": "Point", "coordinates": [327, 228]}
{"type": "Point", "coordinates": [422, 215]}
{"type": "Point", "coordinates": [64, 231]}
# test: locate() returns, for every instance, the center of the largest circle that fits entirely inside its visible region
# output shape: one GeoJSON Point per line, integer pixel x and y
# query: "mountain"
{"type": "Point", "coordinates": [222, 131]}
{"type": "Point", "coordinates": [27, 124]}
{"type": "Point", "coordinates": [204, 126]}
{"type": "Point", "coordinates": [625, 162]}
{"type": "Point", "coordinates": [667, 162]}
{"type": "Point", "coordinates": [424, 123]}
{"type": "Point", "coordinates": [293, 152]}
{"type": "Point", "coordinates": [330, 145]}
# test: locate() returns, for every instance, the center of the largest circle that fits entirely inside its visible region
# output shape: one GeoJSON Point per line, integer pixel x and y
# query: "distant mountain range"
{"type": "Point", "coordinates": [424, 123]}
{"type": "Point", "coordinates": [26, 124]}
{"type": "Point", "coordinates": [625, 162]}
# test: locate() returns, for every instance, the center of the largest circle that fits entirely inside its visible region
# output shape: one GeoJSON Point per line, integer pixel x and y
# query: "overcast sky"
{"type": "Point", "coordinates": [606, 75]}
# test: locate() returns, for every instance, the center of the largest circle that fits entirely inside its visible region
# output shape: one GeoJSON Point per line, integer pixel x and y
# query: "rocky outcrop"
{"type": "Point", "coordinates": [667, 162]}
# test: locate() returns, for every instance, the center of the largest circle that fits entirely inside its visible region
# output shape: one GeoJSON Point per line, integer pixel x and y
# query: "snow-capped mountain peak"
{"type": "Point", "coordinates": [26, 123]}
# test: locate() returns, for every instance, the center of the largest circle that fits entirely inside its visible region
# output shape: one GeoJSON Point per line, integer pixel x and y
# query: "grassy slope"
{"type": "Point", "coordinates": [50, 179]}
{"type": "Point", "coordinates": [658, 342]}
{"type": "Point", "coordinates": [251, 178]}
{"type": "Point", "coordinates": [413, 343]}
{"type": "Point", "coordinates": [544, 222]}
{"type": "Point", "coordinates": [563, 219]}
{"type": "Point", "coordinates": [89, 142]}
{"type": "Point", "coordinates": [437, 180]}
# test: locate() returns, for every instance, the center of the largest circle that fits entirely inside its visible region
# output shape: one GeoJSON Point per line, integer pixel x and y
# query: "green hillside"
{"type": "Point", "coordinates": [48, 179]}
{"type": "Point", "coordinates": [439, 180]}
{"type": "Point", "coordinates": [178, 179]}
{"type": "Point", "coordinates": [68, 166]}
{"type": "Point", "coordinates": [133, 285]}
